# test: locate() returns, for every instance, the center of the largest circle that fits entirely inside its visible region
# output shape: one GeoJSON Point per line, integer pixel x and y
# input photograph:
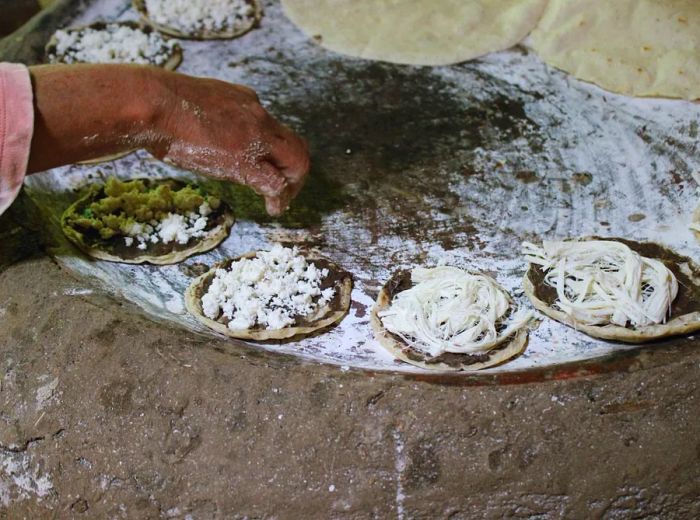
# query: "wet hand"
{"type": "Point", "coordinates": [221, 130]}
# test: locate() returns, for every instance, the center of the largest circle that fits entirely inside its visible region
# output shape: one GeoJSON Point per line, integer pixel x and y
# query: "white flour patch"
{"type": "Point", "coordinates": [20, 479]}
{"type": "Point", "coordinates": [175, 305]}
{"type": "Point", "coordinates": [400, 467]}
{"type": "Point", "coordinates": [77, 291]}
{"type": "Point", "coordinates": [600, 164]}
{"type": "Point", "coordinates": [45, 393]}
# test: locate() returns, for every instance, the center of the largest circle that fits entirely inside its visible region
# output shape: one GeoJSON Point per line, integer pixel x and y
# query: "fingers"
{"type": "Point", "coordinates": [257, 150]}
{"type": "Point", "coordinates": [275, 206]}
{"type": "Point", "coordinates": [267, 181]}
{"type": "Point", "coordinates": [290, 154]}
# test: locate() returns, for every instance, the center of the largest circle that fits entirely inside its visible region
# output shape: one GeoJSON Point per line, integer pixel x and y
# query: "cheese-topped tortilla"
{"type": "Point", "coordinates": [201, 19]}
{"type": "Point", "coordinates": [615, 289]}
{"type": "Point", "coordinates": [448, 319]}
{"type": "Point", "coordinates": [114, 42]}
{"type": "Point", "coordinates": [417, 32]}
{"type": "Point", "coordinates": [145, 220]}
{"type": "Point", "coordinates": [265, 295]}
{"type": "Point", "coordinates": [637, 47]}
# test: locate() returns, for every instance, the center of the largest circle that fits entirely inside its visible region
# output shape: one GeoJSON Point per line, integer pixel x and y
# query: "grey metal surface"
{"type": "Point", "coordinates": [108, 415]}
{"type": "Point", "coordinates": [415, 165]}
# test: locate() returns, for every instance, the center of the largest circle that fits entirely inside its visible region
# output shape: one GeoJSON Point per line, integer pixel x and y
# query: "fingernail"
{"type": "Point", "coordinates": [273, 208]}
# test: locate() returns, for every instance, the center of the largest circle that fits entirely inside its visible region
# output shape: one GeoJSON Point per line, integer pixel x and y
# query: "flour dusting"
{"type": "Point", "coordinates": [449, 166]}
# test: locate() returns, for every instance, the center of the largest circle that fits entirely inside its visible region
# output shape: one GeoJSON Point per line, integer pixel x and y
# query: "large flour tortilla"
{"type": "Point", "coordinates": [509, 348]}
{"type": "Point", "coordinates": [104, 250]}
{"type": "Point", "coordinates": [324, 316]}
{"type": "Point", "coordinates": [636, 47]}
{"type": "Point", "coordinates": [418, 32]}
{"type": "Point", "coordinates": [685, 309]}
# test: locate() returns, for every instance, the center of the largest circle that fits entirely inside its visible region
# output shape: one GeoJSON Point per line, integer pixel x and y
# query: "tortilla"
{"type": "Point", "coordinates": [106, 158]}
{"type": "Point", "coordinates": [114, 249]}
{"type": "Point", "coordinates": [324, 317]}
{"type": "Point", "coordinates": [417, 32]}
{"type": "Point", "coordinates": [171, 63]}
{"type": "Point", "coordinates": [447, 361]}
{"type": "Point", "coordinates": [140, 6]}
{"type": "Point", "coordinates": [634, 47]}
{"type": "Point", "coordinates": [685, 309]}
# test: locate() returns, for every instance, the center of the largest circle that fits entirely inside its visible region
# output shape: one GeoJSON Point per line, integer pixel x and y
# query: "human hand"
{"type": "Point", "coordinates": [220, 130]}
{"type": "Point", "coordinates": [210, 126]}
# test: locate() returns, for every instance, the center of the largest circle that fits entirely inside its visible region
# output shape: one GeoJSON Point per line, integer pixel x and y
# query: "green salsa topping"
{"type": "Point", "coordinates": [129, 202]}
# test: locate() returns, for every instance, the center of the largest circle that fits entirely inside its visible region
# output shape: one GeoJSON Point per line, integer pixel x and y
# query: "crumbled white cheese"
{"type": "Point", "coordinates": [172, 228]}
{"type": "Point", "coordinates": [204, 209]}
{"type": "Point", "coordinates": [115, 43]}
{"type": "Point", "coordinates": [600, 282]}
{"type": "Point", "coordinates": [196, 16]}
{"type": "Point", "coordinates": [451, 310]}
{"type": "Point", "coordinates": [270, 290]}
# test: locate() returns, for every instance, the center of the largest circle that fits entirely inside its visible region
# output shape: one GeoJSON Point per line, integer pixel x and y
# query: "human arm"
{"type": "Point", "coordinates": [206, 125]}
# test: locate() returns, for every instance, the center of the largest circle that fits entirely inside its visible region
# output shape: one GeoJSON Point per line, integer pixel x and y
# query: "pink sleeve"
{"type": "Point", "coordinates": [16, 128]}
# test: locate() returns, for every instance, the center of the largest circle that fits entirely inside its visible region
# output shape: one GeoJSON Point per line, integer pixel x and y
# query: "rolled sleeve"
{"type": "Point", "coordinates": [16, 128]}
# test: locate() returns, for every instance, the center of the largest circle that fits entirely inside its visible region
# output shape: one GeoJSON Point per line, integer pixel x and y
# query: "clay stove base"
{"type": "Point", "coordinates": [107, 413]}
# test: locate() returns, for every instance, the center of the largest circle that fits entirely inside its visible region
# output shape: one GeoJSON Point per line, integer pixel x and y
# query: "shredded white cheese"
{"type": "Point", "coordinates": [451, 310]}
{"type": "Point", "coordinates": [270, 290]}
{"type": "Point", "coordinates": [600, 282]}
{"type": "Point", "coordinates": [196, 16]}
{"type": "Point", "coordinates": [115, 43]}
{"type": "Point", "coordinates": [171, 228]}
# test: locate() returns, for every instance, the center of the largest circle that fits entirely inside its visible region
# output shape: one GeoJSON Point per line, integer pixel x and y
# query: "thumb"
{"type": "Point", "coordinates": [265, 179]}
{"type": "Point", "coordinates": [275, 206]}
{"type": "Point", "coordinates": [268, 181]}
